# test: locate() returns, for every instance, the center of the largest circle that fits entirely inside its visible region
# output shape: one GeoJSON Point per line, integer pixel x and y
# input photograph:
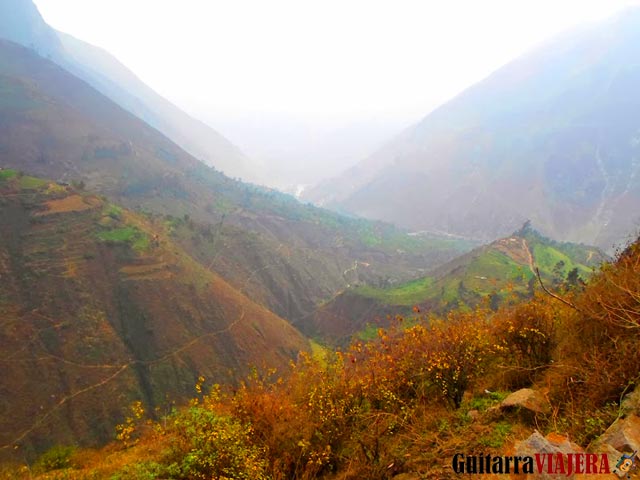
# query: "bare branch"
{"type": "Point", "coordinates": [557, 297]}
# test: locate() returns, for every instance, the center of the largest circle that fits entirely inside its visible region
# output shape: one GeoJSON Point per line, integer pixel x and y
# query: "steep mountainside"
{"type": "Point", "coordinates": [288, 255]}
{"type": "Point", "coordinates": [21, 22]}
{"type": "Point", "coordinates": [553, 137]}
{"type": "Point", "coordinates": [111, 78]}
{"type": "Point", "coordinates": [498, 273]}
{"type": "Point", "coordinates": [399, 406]}
{"type": "Point", "coordinates": [99, 307]}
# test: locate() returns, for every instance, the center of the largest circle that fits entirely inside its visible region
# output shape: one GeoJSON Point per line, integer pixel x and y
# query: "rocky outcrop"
{"type": "Point", "coordinates": [552, 443]}
{"type": "Point", "coordinates": [622, 437]}
{"type": "Point", "coordinates": [528, 399]}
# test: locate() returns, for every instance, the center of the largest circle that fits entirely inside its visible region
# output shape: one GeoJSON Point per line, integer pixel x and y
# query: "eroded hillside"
{"type": "Point", "coordinates": [99, 306]}
{"type": "Point", "coordinates": [56, 126]}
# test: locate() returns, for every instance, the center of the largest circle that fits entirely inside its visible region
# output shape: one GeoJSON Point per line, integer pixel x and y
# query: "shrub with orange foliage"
{"type": "Point", "coordinates": [600, 341]}
{"type": "Point", "coordinates": [457, 351]}
{"type": "Point", "coordinates": [342, 413]}
{"type": "Point", "coordinates": [435, 358]}
{"type": "Point", "coordinates": [527, 334]}
{"type": "Point", "coordinates": [356, 414]}
{"type": "Point", "coordinates": [613, 299]}
{"type": "Point", "coordinates": [301, 420]}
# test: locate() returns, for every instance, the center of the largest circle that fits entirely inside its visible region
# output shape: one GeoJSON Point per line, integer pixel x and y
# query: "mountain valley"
{"type": "Point", "coordinates": [162, 318]}
{"type": "Point", "coordinates": [551, 137]}
{"type": "Point", "coordinates": [498, 274]}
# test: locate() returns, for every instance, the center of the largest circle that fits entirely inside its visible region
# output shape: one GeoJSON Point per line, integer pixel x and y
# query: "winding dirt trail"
{"type": "Point", "coordinates": [121, 369]}
{"type": "Point", "coordinates": [525, 245]}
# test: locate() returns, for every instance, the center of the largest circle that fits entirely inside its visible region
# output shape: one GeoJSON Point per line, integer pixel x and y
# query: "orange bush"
{"type": "Point", "coordinates": [527, 334]}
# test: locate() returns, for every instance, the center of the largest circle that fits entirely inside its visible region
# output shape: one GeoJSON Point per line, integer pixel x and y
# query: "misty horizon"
{"type": "Point", "coordinates": [307, 92]}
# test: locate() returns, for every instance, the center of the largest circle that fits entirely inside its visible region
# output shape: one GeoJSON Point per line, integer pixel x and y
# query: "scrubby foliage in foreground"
{"type": "Point", "coordinates": [408, 400]}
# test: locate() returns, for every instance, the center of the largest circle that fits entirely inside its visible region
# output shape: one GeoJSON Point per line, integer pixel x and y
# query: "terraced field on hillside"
{"type": "Point", "coordinates": [99, 307]}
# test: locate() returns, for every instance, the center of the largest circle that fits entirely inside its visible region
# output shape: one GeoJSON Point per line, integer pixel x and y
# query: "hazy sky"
{"type": "Point", "coordinates": [342, 58]}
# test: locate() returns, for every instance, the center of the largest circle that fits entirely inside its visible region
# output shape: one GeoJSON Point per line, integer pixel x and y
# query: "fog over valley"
{"type": "Point", "coordinates": [307, 90]}
{"type": "Point", "coordinates": [337, 240]}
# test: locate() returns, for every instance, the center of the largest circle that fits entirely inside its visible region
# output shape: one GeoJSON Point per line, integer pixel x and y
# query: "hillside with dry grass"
{"type": "Point", "coordinates": [288, 255]}
{"type": "Point", "coordinates": [403, 405]}
{"type": "Point", "coordinates": [100, 307]}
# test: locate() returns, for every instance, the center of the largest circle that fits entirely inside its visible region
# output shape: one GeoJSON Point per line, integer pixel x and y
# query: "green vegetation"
{"type": "Point", "coordinates": [497, 437]}
{"type": "Point", "coordinates": [547, 258]}
{"type": "Point", "coordinates": [56, 458]}
{"type": "Point", "coordinates": [489, 273]}
{"type": "Point", "coordinates": [132, 236]}
{"type": "Point", "coordinates": [409, 293]}
{"type": "Point", "coordinates": [112, 211]}
{"type": "Point", "coordinates": [124, 234]}
{"type": "Point", "coordinates": [318, 351]}
{"type": "Point", "coordinates": [485, 401]}
{"type": "Point", "coordinates": [368, 333]}
{"type": "Point", "coordinates": [113, 229]}
{"type": "Point", "coordinates": [357, 231]}
{"type": "Point", "coordinates": [498, 267]}
{"type": "Point", "coordinates": [581, 255]}
{"type": "Point", "coordinates": [140, 471]}
{"type": "Point", "coordinates": [223, 206]}
{"type": "Point", "coordinates": [206, 444]}
{"type": "Point", "coordinates": [389, 238]}
{"type": "Point", "coordinates": [7, 174]}
{"type": "Point", "coordinates": [25, 182]}
{"type": "Point", "coordinates": [32, 183]}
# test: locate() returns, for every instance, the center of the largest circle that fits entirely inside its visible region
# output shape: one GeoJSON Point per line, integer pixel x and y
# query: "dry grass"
{"type": "Point", "coordinates": [71, 203]}
{"type": "Point", "coordinates": [402, 403]}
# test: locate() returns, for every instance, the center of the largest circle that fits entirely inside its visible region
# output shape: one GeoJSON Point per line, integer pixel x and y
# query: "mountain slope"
{"type": "Point", "coordinates": [288, 255]}
{"type": "Point", "coordinates": [553, 137]}
{"type": "Point", "coordinates": [150, 304]}
{"type": "Point", "coordinates": [497, 273]}
{"type": "Point", "coordinates": [21, 22]}
{"type": "Point", "coordinates": [110, 77]}
{"type": "Point", "coordinates": [99, 307]}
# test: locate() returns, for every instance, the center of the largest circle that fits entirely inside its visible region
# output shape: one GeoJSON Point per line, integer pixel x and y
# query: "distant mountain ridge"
{"type": "Point", "coordinates": [21, 22]}
{"type": "Point", "coordinates": [553, 136]}
{"type": "Point", "coordinates": [110, 77]}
